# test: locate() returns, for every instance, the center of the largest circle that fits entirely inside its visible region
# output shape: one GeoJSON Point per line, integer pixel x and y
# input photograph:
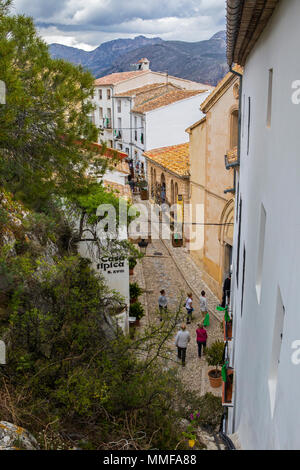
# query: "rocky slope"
{"type": "Point", "coordinates": [203, 61]}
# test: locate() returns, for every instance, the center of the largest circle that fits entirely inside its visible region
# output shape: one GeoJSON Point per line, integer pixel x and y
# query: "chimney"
{"type": "Point", "coordinates": [144, 64]}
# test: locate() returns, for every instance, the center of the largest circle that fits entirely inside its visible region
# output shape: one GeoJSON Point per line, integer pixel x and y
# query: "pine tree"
{"type": "Point", "coordinates": [45, 126]}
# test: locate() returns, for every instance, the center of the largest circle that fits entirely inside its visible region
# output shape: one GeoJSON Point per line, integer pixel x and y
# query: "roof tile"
{"type": "Point", "coordinates": [175, 158]}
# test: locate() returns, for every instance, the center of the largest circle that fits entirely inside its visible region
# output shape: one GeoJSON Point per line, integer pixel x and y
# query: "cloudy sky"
{"type": "Point", "coordinates": [88, 23]}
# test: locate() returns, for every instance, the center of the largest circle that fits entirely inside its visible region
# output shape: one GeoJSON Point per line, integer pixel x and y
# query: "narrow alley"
{"type": "Point", "coordinates": [172, 269]}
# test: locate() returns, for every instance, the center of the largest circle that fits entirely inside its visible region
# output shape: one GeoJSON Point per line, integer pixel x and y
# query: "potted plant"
{"type": "Point", "coordinates": [132, 264]}
{"type": "Point", "coordinates": [135, 291]}
{"type": "Point", "coordinates": [143, 185]}
{"type": "Point", "coordinates": [214, 357]}
{"type": "Point", "coordinates": [136, 310]}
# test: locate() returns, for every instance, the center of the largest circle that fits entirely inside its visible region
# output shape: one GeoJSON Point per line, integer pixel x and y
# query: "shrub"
{"type": "Point", "coordinates": [214, 354]}
{"type": "Point", "coordinates": [135, 290]}
{"type": "Point", "coordinates": [136, 310]}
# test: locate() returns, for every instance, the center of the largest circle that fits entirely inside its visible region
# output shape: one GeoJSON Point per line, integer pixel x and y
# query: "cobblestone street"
{"type": "Point", "coordinates": [172, 269]}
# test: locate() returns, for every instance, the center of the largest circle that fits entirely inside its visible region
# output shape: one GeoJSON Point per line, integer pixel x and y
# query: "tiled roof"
{"type": "Point", "coordinates": [175, 158]}
{"type": "Point", "coordinates": [115, 78]}
{"type": "Point", "coordinates": [138, 91]}
{"type": "Point", "coordinates": [165, 100]}
{"type": "Point", "coordinates": [245, 23]}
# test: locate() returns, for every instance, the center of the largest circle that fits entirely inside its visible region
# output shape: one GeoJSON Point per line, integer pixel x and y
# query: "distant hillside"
{"type": "Point", "coordinates": [203, 61]}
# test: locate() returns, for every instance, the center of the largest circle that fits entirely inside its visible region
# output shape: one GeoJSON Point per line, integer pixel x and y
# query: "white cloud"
{"type": "Point", "coordinates": [88, 23]}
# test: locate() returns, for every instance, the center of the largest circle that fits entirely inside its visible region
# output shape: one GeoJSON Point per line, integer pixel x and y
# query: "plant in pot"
{"type": "Point", "coordinates": [143, 185]}
{"type": "Point", "coordinates": [214, 357]}
{"type": "Point", "coordinates": [132, 264]}
{"type": "Point", "coordinates": [135, 292]}
{"type": "Point", "coordinates": [136, 310]}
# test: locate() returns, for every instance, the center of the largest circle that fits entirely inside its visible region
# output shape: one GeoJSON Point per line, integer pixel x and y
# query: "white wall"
{"type": "Point", "coordinates": [269, 175]}
{"type": "Point", "coordinates": [166, 126]}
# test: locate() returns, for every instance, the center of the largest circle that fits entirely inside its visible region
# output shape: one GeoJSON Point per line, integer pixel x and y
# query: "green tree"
{"type": "Point", "coordinates": [46, 131]}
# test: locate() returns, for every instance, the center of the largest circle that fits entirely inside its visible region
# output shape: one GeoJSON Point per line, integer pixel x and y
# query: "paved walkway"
{"type": "Point", "coordinates": [172, 269]}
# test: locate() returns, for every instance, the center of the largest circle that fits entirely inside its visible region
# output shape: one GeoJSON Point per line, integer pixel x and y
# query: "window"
{"type": "Point", "coordinates": [100, 94]}
{"type": "Point", "coordinates": [127, 150]}
{"type": "Point", "coordinates": [243, 283]}
{"type": "Point", "coordinates": [100, 114]}
{"type": "Point", "coordinates": [261, 248]}
{"type": "Point", "coordinates": [234, 129]}
{"type": "Point", "coordinates": [249, 123]}
{"type": "Point", "coordinates": [270, 92]}
{"type": "Point", "coordinates": [119, 106]}
{"type": "Point", "coordinates": [108, 93]}
{"type": "Point", "coordinates": [276, 349]}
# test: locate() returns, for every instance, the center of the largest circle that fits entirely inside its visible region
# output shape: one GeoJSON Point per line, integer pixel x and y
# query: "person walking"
{"type": "Point", "coordinates": [182, 340]}
{"type": "Point", "coordinates": [201, 338]}
{"type": "Point", "coordinates": [226, 291]}
{"type": "Point", "coordinates": [203, 303]}
{"type": "Point", "coordinates": [189, 307]}
{"type": "Point", "coordinates": [204, 309]}
{"type": "Point", "coordinates": [162, 303]}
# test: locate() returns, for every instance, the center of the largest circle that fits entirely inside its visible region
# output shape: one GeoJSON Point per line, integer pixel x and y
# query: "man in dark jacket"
{"type": "Point", "coordinates": [226, 290]}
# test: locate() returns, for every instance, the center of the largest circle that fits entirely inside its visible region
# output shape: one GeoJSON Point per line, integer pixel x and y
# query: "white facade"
{"type": "Point", "coordinates": [266, 274]}
{"type": "Point", "coordinates": [164, 126]}
{"type": "Point", "coordinates": [106, 115]}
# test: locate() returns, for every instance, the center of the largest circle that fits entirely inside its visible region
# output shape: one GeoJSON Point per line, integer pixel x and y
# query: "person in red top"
{"type": "Point", "coordinates": [201, 338]}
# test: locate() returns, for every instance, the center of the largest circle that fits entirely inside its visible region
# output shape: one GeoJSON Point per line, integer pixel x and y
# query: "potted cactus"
{"type": "Point", "coordinates": [214, 357]}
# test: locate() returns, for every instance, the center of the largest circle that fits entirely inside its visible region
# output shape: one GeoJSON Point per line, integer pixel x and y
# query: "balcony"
{"type": "Point", "coordinates": [231, 159]}
{"type": "Point", "coordinates": [107, 123]}
{"type": "Point", "coordinates": [227, 388]}
{"type": "Point", "coordinates": [118, 135]}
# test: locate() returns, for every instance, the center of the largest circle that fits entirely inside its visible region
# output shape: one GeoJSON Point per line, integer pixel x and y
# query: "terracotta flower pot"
{"type": "Point", "coordinates": [131, 272]}
{"type": "Point", "coordinates": [215, 378]}
{"type": "Point", "coordinates": [133, 301]}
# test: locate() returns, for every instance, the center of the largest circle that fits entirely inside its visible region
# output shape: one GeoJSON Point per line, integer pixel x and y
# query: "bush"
{"type": "Point", "coordinates": [136, 310]}
{"type": "Point", "coordinates": [214, 354]}
{"type": "Point", "coordinates": [135, 290]}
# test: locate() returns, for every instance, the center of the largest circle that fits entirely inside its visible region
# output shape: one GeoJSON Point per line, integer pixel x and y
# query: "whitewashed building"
{"type": "Point", "coordinates": [155, 116]}
{"type": "Point", "coordinates": [109, 115]}
{"type": "Point", "coordinates": [264, 38]}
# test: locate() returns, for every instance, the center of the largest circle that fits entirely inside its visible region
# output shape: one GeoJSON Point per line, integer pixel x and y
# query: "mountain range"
{"type": "Point", "coordinates": [203, 61]}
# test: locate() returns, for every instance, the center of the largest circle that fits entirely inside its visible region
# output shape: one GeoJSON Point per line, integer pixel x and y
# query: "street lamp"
{"type": "Point", "coordinates": [143, 246]}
